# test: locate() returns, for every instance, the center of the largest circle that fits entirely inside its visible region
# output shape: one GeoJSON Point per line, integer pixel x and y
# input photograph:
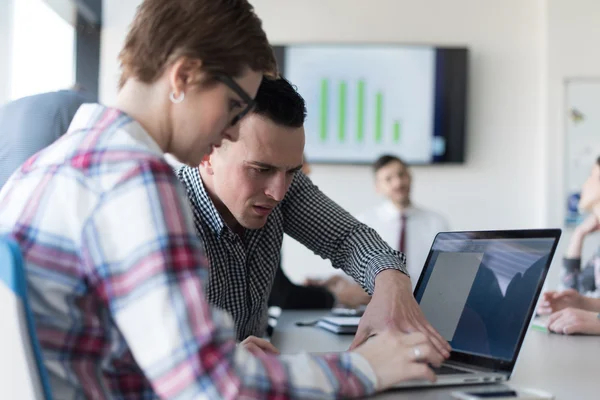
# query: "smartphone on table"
{"type": "Point", "coordinates": [502, 394]}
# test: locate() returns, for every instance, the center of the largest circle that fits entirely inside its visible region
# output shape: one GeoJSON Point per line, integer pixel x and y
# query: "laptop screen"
{"type": "Point", "coordinates": [478, 289]}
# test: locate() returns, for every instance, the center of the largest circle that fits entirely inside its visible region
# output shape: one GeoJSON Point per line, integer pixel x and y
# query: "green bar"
{"type": "Point", "coordinates": [360, 112]}
{"type": "Point", "coordinates": [324, 95]}
{"type": "Point", "coordinates": [397, 131]}
{"type": "Point", "coordinates": [342, 111]}
{"type": "Point", "coordinates": [379, 117]}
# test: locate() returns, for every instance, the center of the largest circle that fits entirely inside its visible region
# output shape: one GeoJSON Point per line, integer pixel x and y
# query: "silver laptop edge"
{"type": "Point", "coordinates": [477, 374]}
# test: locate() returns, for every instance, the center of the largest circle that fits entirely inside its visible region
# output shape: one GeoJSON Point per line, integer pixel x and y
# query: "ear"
{"type": "Point", "coordinates": [184, 73]}
{"type": "Point", "coordinates": [206, 164]}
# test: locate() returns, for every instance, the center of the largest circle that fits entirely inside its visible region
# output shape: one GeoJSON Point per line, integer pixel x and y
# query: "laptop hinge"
{"type": "Point", "coordinates": [474, 367]}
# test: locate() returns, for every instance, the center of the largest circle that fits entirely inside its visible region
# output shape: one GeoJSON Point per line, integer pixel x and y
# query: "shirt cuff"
{"type": "Point", "coordinates": [363, 370]}
{"type": "Point", "coordinates": [572, 264]}
{"type": "Point", "coordinates": [381, 263]}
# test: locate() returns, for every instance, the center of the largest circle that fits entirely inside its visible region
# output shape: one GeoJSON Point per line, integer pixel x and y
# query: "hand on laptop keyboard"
{"type": "Point", "coordinates": [397, 357]}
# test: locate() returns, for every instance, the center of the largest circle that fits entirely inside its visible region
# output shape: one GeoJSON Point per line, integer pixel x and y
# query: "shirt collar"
{"type": "Point", "coordinates": [199, 198]}
{"type": "Point", "coordinates": [96, 116]}
{"type": "Point", "coordinates": [390, 209]}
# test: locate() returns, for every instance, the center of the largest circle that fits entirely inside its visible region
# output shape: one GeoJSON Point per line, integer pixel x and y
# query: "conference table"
{"type": "Point", "coordinates": [566, 366]}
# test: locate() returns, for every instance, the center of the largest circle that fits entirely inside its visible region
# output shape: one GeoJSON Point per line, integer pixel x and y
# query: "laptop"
{"type": "Point", "coordinates": [479, 290]}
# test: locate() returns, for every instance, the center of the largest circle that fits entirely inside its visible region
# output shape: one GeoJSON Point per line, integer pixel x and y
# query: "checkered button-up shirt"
{"type": "Point", "coordinates": [116, 273]}
{"type": "Point", "coordinates": [242, 270]}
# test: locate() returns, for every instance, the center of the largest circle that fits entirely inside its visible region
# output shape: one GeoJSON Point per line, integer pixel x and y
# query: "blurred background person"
{"type": "Point", "coordinates": [575, 307]}
{"type": "Point", "coordinates": [403, 225]}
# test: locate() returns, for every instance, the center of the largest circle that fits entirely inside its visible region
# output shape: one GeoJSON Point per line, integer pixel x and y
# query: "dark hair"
{"type": "Point", "coordinates": [385, 160]}
{"type": "Point", "coordinates": [598, 161]}
{"type": "Point", "coordinates": [280, 102]}
{"type": "Point", "coordinates": [225, 35]}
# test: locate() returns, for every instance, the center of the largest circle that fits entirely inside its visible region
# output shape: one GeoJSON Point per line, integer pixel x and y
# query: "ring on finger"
{"type": "Point", "coordinates": [417, 353]}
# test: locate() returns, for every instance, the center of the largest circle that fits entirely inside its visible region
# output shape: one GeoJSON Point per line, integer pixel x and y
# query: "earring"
{"type": "Point", "coordinates": [178, 99]}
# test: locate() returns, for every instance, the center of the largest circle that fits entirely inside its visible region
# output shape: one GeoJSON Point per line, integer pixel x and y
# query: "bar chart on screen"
{"type": "Point", "coordinates": [346, 127]}
{"type": "Point", "coordinates": [362, 103]}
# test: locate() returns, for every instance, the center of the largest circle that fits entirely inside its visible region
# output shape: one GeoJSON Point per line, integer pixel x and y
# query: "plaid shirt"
{"type": "Point", "coordinates": [243, 269]}
{"type": "Point", "coordinates": [115, 274]}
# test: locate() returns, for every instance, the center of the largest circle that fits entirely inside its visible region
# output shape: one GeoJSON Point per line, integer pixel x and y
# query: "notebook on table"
{"type": "Point", "coordinates": [339, 325]}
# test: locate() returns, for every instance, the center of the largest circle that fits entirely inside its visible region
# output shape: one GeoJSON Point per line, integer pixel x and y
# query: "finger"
{"type": "Point", "coordinates": [553, 323]}
{"type": "Point", "coordinates": [571, 328]}
{"type": "Point", "coordinates": [331, 280]}
{"type": "Point", "coordinates": [362, 334]}
{"type": "Point", "coordinates": [432, 336]}
{"type": "Point", "coordinates": [424, 353]}
{"type": "Point", "coordinates": [555, 317]}
{"type": "Point", "coordinates": [553, 295]}
{"type": "Point", "coordinates": [250, 339]}
{"type": "Point", "coordinates": [558, 325]}
{"type": "Point", "coordinates": [254, 349]}
{"type": "Point", "coordinates": [268, 347]}
{"type": "Point", "coordinates": [419, 371]}
{"type": "Point", "coordinates": [548, 295]}
{"type": "Point", "coordinates": [438, 341]}
{"type": "Point", "coordinates": [313, 282]}
{"type": "Point", "coordinates": [562, 296]}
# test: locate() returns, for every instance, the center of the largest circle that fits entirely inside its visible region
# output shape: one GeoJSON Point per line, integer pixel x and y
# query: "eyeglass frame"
{"type": "Point", "coordinates": [231, 84]}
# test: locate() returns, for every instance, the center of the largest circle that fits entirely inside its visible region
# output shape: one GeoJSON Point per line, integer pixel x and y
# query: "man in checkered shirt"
{"type": "Point", "coordinates": [247, 194]}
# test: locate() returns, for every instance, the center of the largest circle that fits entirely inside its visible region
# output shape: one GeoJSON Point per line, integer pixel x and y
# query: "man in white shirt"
{"type": "Point", "coordinates": [405, 227]}
{"type": "Point", "coordinates": [398, 215]}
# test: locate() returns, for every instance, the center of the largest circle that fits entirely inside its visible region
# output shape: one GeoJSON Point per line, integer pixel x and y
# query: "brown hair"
{"type": "Point", "coordinates": [226, 35]}
{"type": "Point", "coordinates": [385, 160]}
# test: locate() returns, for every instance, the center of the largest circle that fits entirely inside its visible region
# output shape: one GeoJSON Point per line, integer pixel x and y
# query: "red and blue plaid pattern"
{"type": "Point", "coordinates": [116, 274]}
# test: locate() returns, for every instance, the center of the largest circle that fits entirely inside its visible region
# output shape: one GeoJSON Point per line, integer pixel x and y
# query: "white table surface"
{"type": "Point", "coordinates": [566, 366]}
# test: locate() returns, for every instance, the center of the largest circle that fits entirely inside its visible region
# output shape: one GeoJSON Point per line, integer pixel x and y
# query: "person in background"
{"type": "Point", "coordinates": [115, 270]}
{"type": "Point", "coordinates": [289, 296]}
{"type": "Point", "coordinates": [575, 308]}
{"type": "Point", "coordinates": [32, 123]}
{"type": "Point", "coordinates": [405, 227]}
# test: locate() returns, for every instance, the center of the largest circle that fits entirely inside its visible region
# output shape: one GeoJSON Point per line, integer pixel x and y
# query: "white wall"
{"type": "Point", "coordinates": [116, 17]}
{"type": "Point", "coordinates": [520, 53]}
{"type": "Point", "coordinates": [6, 18]}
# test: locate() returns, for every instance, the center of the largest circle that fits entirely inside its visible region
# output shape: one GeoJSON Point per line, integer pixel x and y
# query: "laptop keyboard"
{"type": "Point", "coordinates": [447, 370]}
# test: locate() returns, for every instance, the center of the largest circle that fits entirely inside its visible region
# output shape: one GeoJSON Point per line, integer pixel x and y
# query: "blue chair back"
{"type": "Point", "coordinates": [23, 372]}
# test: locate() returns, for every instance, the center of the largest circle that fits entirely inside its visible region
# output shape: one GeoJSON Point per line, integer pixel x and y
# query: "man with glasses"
{"type": "Point", "coordinates": [248, 193]}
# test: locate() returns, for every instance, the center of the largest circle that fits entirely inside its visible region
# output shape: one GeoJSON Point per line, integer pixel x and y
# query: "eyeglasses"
{"type": "Point", "coordinates": [231, 84]}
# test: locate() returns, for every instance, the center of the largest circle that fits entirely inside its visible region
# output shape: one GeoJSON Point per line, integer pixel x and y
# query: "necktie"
{"type": "Point", "coordinates": [402, 246]}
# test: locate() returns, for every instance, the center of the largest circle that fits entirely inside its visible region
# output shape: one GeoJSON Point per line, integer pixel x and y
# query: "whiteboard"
{"type": "Point", "coordinates": [582, 139]}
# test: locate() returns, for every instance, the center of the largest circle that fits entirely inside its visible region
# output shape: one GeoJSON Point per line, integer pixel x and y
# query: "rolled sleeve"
{"type": "Point", "coordinates": [382, 263]}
